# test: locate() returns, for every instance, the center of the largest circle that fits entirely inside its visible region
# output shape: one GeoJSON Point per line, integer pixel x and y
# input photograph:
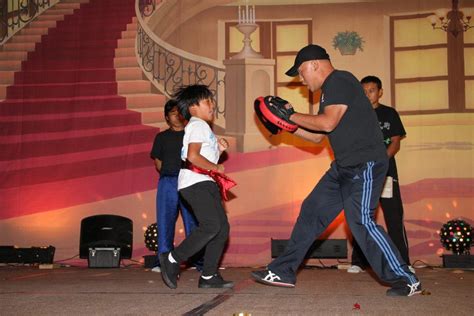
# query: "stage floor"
{"type": "Point", "coordinates": [138, 291]}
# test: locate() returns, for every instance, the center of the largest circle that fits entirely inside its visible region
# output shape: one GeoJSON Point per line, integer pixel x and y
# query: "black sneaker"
{"type": "Point", "coordinates": [405, 289]}
{"type": "Point", "coordinates": [269, 278]}
{"type": "Point", "coordinates": [216, 282]}
{"type": "Point", "coordinates": [169, 271]}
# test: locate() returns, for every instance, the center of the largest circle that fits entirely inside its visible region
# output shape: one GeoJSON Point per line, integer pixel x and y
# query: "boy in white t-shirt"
{"type": "Point", "coordinates": [201, 151]}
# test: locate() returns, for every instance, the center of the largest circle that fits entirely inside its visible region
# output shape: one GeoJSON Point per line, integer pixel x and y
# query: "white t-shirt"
{"type": "Point", "coordinates": [197, 131]}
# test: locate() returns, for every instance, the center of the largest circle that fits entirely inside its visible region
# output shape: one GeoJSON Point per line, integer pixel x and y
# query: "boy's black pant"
{"type": "Point", "coordinates": [393, 214]}
{"type": "Point", "coordinates": [213, 228]}
{"type": "Point", "coordinates": [356, 190]}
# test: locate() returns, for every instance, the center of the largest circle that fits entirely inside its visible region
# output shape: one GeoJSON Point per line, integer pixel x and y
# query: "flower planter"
{"type": "Point", "coordinates": [346, 50]}
{"type": "Point", "coordinates": [347, 42]}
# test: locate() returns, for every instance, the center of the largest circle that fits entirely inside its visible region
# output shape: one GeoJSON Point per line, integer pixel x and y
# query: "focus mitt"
{"type": "Point", "coordinates": [273, 114]}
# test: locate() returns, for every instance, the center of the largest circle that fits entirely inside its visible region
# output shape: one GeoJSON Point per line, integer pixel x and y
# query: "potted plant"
{"type": "Point", "coordinates": [347, 42]}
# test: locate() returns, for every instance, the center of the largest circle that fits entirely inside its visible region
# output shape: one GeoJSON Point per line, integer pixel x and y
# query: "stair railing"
{"type": "Point", "coordinates": [168, 67]}
{"type": "Point", "coordinates": [16, 14]}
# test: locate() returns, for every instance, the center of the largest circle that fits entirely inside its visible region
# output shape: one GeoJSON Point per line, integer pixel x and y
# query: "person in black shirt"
{"type": "Point", "coordinates": [393, 132]}
{"type": "Point", "coordinates": [353, 182]}
{"type": "Point", "coordinates": [166, 153]}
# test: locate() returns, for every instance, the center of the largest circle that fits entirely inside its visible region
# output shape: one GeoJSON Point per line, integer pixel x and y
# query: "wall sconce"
{"type": "Point", "coordinates": [453, 21]}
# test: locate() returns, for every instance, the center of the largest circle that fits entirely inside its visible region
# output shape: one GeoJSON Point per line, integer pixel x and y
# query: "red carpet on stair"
{"type": "Point", "coordinates": [66, 136]}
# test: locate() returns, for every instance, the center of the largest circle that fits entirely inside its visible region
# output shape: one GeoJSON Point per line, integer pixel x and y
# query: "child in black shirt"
{"type": "Point", "coordinates": [166, 153]}
{"type": "Point", "coordinates": [392, 206]}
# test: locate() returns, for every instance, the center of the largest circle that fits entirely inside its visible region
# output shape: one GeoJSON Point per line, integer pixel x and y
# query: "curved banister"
{"type": "Point", "coordinates": [168, 67]}
{"type": "Point", "coordinates": [16, 14]}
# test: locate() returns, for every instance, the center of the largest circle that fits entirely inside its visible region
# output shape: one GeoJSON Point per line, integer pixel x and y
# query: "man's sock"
{"type": "Point", "coordinates": [171, 259]}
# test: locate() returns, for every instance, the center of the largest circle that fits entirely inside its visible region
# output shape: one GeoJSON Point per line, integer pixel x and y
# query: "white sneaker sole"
{"type": "Point", "coordinates": [355, 270]}
{"type": "Point", "coordinates": [273, 283]}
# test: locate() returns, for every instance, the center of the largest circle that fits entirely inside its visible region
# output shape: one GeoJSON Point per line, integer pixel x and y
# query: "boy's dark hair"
{"type": "Point", "coordinates": [187, 96]}
{"type": "Point", "coordinates": [372, 79]}
{"type": "Point", "coordinates": [169, 106]}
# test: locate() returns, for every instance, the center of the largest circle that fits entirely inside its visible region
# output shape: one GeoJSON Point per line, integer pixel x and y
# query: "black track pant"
{"type": "Point", "coordinates": [213, 227]}
{"type": "Point", "coordinates": [393, 214]}
{"type": "Point", "coordinates": [356, 190]}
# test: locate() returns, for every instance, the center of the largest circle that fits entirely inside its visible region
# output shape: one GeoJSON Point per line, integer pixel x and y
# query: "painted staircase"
{"type": "Point", "coordinates": [67, 136]}
{"type": "Point", "coordinates": [15, 51]}
{"type": "Point", "coordinates": [138, 91]}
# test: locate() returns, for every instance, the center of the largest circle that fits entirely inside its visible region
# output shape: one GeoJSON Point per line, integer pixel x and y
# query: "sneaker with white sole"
{"type": "Point", "coordinates": [269, 278]}
{"type": "Point", "coordinates": [169, 271]}
{"type": "Point", "coordinates": [405, 289]}
{"type": "Point", "coordinates": [156, 269]}
{"type": "Point", "coordinates": [216, 282]}
{"type": "Point", "coordinates": [355, 269]}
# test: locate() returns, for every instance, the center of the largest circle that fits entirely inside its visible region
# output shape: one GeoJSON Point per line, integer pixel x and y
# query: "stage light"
{"type": "Point", "coordinates": [151, 243]}
{"type": "Point", "coordinates": [456, 235]}
{"type": "Point", "coordinates": [151, 238]}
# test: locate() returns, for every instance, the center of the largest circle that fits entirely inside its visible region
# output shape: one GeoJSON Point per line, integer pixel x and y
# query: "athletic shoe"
{"type": "Point", "coordinates": [156, 269]}
{"type": "Point", "coordinates": [216, 282]}
{"type": "Point", "coordinates": [355, 269]}
{"type": "Point", "coordinates": [269, 278]}
{"type": "Point", "coordinates": [169, 271]}
{"type": "Point", "coordinates": [412, 270]}
{"type": "Point", "coordinates": [404, 289]}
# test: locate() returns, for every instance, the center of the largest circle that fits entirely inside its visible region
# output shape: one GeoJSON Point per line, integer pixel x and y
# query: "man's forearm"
{"type": "Point", "coordinates": [312, 122]}
{"type": "Point", "coordinates": [312, 137]}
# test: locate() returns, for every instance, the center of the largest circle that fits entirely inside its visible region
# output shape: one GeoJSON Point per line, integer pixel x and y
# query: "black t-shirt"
{"type": "Point", "coordinates": [357, 138]}
{"type": "Point", "coordinates": [391, 125]}
{"type": "Point", "coordinates": [167, 148]}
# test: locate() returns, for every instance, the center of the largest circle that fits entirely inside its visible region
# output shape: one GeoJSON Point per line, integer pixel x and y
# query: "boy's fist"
{"type": "Point", "coordinates": [223, 144]}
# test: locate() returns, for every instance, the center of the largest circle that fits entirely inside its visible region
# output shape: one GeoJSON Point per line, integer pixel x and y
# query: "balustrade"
{"type": "Point", "coordinates": [15, 14]}
{"type": "Point", "coordinates": [169, 67]}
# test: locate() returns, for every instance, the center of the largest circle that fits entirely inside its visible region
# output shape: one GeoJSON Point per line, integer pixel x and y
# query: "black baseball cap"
{"type": "Point", "coordinates": [310, 52]}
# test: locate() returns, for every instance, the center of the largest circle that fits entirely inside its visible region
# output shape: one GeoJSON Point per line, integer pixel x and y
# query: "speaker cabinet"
{"type": "Point", "coordinates": [458, 261]}
{"type": "Point", "coordinates": [11, 254]}
{"type": "Point", "coordinates": [104, 258]}
{"type": "Point", "coordinates": [106, 231]}
{"type": "Point", "coordinates": [150, 261]}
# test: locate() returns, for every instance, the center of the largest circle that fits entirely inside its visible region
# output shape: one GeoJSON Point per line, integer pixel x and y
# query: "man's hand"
{"type": "Point", "coordinates": [281, 108]}
{"type": "Point", "coordinates": [274, 114]}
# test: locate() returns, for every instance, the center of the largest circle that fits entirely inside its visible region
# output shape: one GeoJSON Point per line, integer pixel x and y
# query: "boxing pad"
{"type": "Point", "coordinates": [273, 114]}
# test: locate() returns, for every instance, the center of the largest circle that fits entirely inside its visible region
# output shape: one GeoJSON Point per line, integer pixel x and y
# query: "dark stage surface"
{"type": "Point", "coordinates": [138, 291]}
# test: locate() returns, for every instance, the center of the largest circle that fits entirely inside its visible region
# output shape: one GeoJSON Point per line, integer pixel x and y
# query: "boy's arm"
{"type": "Point", "coordinates": [394, 146]}
{"type": "Point", "coordinates": [223, 144]}
{"type": "Point", "coordinates": [398, 133]}
{"type": "Point", "coordinates": [158, 164]}
{"type": "Point", "coordinates": [200, 161]}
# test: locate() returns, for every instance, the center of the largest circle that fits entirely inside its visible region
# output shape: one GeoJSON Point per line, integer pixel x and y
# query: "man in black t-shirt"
{"type": "Point", "coordinates": [353, 182]}
{"type": "Point", "coordinates": [166, 153]}
{"type": "Point", "coordinates": [393, 132]}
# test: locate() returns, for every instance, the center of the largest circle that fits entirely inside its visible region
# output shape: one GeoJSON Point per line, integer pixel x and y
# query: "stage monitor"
{"type": "Point", "coordinates": [106, 231]}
